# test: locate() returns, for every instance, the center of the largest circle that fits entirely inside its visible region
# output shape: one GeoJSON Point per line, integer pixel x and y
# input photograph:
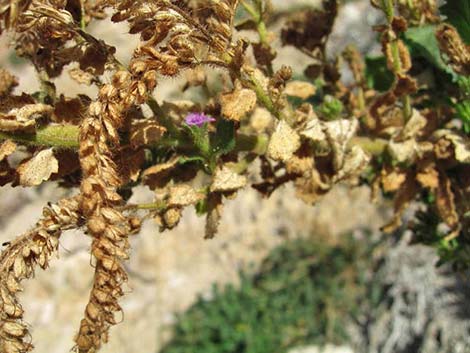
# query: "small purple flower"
{"type": "Point", "coordinates": [198, 119]}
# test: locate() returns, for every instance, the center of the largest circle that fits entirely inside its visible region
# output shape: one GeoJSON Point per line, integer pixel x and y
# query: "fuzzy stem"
{"type": "Point", "coordinates": [66, 136]}
{"type": "Point", "coordinates": [60, 136]}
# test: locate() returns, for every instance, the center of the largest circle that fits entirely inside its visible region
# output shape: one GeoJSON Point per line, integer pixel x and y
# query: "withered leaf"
{"type": "Point", "coordinates": [236, 104]}
{"type": "Point", "coordinates": [183, 195]}
{"type": "Point", "coordinates": [7, 82]}
{"type": "Point", "coordinates": [355, 161]}
{"type": "Point", "coordinates": [158, 175]}
{"type": "Point", "coordinates": [460, 143]}
{"type": "Point", "coordinates": [284, 142]}
{"type": "Point", "coordinates": [392, 179]}
{"type": "Point", "coordinates": [146, 132]}
{"type": "Point", "coordinates": [226, 180]}
{"type": "Point", "coordinates": [300, 89]}
{"type": "Point", "coordinates": [7, 148]}
{"type": "Point", "coordinates": [214, 214]}
{"type": "Point", "coordinates": [339, 132]}
{"type": "Point", "coordinates": [38, 169]}
{"type": "Point", "coordinates": [445, 202]}
{"type": "Point", "coordinates": [428, 176]}
{"type": "Point", "coordinates": [24, 118]}
{"type": "Point", "coordinates": [403, 197]}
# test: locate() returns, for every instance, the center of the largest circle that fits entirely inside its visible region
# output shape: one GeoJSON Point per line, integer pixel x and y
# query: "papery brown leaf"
{"type": "Point", "coordinates": [7, 82]}
{"type": "Point", "coordinates": [403, 197]}
{"type": "Point", "coordinates": [414, 126]}
{"type": "Point", "coordinates": [145, 133]}
{"type": "Point", "coordinates": [24, 118]}
{"type": "Point", "coordinates": [226, 180]}
{"type": "Point", "coordinates": [38, 169]}
{"type": "Point", "coordinates": [130, 163]}
{"type": "Point", "coordinates": [460, 144]}
{"type": "Point", "coordinates": [7, 148]}
{"type": "Point", "coordinates": [236, 104]}
{"type": "Point", "coordinates": [445, 202]}
{"type": "Point", "coordinates": [81, 77]}
{"type": "Point", "coordinates": [300, 89]}
{"type": "Point", "coordinates": [283, 143]}
{"type": "Point", "coordinates": [392, 178]}
{"type": "Point", "coordinates": [159, 174]}
{"type": "Point", "coordinates": [428, 176]}
{"type": "Point", "coordinates": [214, 214]}
{"type": "Point", "coordinates": [182, 195]}
{"type": "Point", "coordinates": [261, 120]}
{"type": "Point", "coordinates": [355, 162]}
{"type": "Point", "coordinates": [70, 110]}
{"type": "Point", "coordinates": [339, 133]}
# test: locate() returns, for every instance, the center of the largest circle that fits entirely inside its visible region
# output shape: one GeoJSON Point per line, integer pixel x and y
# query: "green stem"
{"type": "Point", "coordinates": [59, 136]}
{"type": "Point", "coordinates": [66, 136]}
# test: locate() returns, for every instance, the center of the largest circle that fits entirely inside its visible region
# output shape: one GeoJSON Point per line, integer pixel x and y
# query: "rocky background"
{"type": "Point", "coordinates": [167, 271]}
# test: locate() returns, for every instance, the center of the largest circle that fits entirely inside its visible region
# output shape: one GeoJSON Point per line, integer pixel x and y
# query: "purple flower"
{"type": "Point", "coordinates": [198, 119]}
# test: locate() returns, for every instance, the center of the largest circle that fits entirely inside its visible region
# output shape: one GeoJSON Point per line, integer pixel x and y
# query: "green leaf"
{"type": "Point", "coordinates": [422, 42]}
{"type": "Point", "coordinates": [378, 76]}
{"type": "Point", "coordinates": [458, 14]}
{"type": "Point", "coordinates": [224, 139]}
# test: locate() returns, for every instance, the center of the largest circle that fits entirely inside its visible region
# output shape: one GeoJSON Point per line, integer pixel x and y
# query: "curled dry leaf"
{"type": "Point", "coordinates": [428, 176]}
{"type": "Point", "coordinates": [24, 118]}
{"type": "Point", "coordinates": [82, 77]}
{"type": "Point", "coordinates": [146, 132]}
{"type": "Point", "coordinates": [157, 175]}
{"type": "Point", "coordinates": [414, 126]}
{"type": "Point", "coordinates": [300, 89]}
{"type": "Point", "coordinates": [7, 148]}
{"type": "Point", "coordinates": [226, 180]}
{"type": "Point", "coordinates": [461, 144]}
{"type": "Point", "coordinates": [355, 161]}
{"type": "Point", "coordinates": [214, 214]}
{"type": "Point", "coordinates": [236, 104]}
{"type": "Point", "coordinates": [392, 179]}
{"type": "Point", "coordinates": [339, 133]}
{"type": "Point", "coordinates": [183, 195]}
{"type": "Point", "coordinates": [7, 82]}
{"type": "Point", "coordinates": [261, 120]}
{"type": "Point", "coordinates": [403, 197]}
{"type": "Point", "coordinates": [445, 202]}
{"type": "Point", "coordinates": [38, 169]}
{"type": "Point", "coordinates": [284, 142]}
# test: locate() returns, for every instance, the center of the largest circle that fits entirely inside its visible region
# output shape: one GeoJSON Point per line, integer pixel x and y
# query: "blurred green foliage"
{"type": "Point", "coordinates": [304, 293]}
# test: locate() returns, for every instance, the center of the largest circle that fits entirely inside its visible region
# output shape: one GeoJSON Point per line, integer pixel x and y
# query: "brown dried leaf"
{"type": "Point", "coordinates": [283, 143]}
{"type": "Point", "coordinates": [158, 175]}
{"type": "Point", "coordinates": [24, 118]}
{"type": "Point", "coordinates": [338, 133]}
{"type": "Point", "coordinates": [214, 214]}
{"type": "Point", "coordinates": [38, 169]}
{"type": "Point", "coordinates": [183, 195]}
{"type": "Point", "coordinates": [445, 202]}
{"type": "Point", "coordinates": [392, 179]}
{"type": "Point", "coordinates": [403, 197]}
{"type": "Point", "coordinates": [7, 148]}
{"type": "Point", "coordinates": [226, 180]}
{"type": "Point", "coordinates": [81, 77]}
{"type": "Point", "coordinates": [300, 89]}
{"type": "Point", "coordinates": [261, 120]}
{"type": "Point", "coordinates": [355, 161]}
{"type": "Point", "coordinates": [236, 104]}
{"type": "Point", "coordinates": [7, 82]}
{"type": "Point", "coordinates": [146, 132]}
{"type": "Point", "coordinates": [461, 144]}
{"type": "Point", "coordinates": [428, 176]}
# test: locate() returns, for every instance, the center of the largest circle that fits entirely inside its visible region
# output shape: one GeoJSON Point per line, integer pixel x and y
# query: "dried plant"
{"type": "Point", "coordinates": [403, 139]}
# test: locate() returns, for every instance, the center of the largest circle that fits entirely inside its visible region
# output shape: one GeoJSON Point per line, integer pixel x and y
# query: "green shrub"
{"type": "Point", "coordinates": [303, 293]}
